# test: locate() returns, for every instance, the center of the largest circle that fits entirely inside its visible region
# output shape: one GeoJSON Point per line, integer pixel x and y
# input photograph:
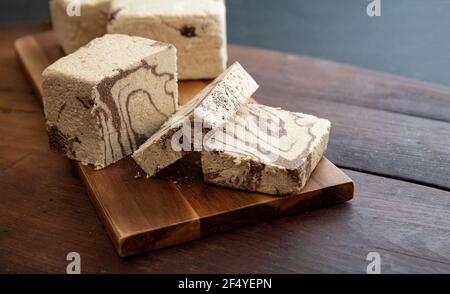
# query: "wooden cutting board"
{"type": "Point", "coordinates": [146, 214]}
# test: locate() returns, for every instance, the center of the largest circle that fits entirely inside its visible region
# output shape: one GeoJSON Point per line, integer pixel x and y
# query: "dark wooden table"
{"type": "Point", "coordinates": [396, 147]}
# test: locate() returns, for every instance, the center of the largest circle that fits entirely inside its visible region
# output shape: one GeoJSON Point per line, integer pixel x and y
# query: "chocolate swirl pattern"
{"type": "Point", "coordinates": [122, 101]}
{"type": "Point", "coordinates": [261, 133]}
{"type": "Point", "coordinates": [265, 149]}
{"type": "Point", "coordinates": [104, 100]}
{"type": "Point", "coordinates": [215, 105]}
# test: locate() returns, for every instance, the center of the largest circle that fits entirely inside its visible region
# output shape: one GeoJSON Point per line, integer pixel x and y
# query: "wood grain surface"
{"type": "Point", "coordinates": [44, 213]}
{"type": "Point", "coordinates": [382, 124]}
{"type": "Point", "coordinates": [148, 214]}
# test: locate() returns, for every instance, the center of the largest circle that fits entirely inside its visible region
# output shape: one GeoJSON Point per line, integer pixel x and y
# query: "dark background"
{"type": "Point", "coordinates": [410, 38]}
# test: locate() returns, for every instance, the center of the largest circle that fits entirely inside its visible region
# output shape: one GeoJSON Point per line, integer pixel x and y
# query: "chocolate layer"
{"type": "Point", "coordinates": [265, 149]}
{"type": "Point", "coordinates": [111, 95]}
{"type": "Point", "coordinates": [211, 108]}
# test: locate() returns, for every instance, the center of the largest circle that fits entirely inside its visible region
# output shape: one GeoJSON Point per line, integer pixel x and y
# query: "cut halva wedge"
{"type": "Point", "coordinates": [183, 132]}
{"type": "Point", "coordinates": [265, 149]}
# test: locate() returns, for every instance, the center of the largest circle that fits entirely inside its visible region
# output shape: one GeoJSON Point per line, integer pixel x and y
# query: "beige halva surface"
{"type": "Point", "coordinates": [74, 31]}
{"type": "Point", "coordinates": [265, 149]}
{"type": "Point", "coordinates": [197, 28]}
{"type": "Point", "coordinates": [103, 101]}
{"type": "Point", "coordinates": [211, 108]}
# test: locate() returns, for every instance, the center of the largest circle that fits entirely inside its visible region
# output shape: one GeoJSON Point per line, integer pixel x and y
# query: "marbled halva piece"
{"type": "Point", "coordinates": [209, 109]}
{"type": "Point", "coordinates": [197, 28]}
{"type": "Point", "coordinates": [76, 23]}
{"type": "Point", "coordinates": [103, 101]}
{"type": "Point", "coordinates": [265, 149]}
